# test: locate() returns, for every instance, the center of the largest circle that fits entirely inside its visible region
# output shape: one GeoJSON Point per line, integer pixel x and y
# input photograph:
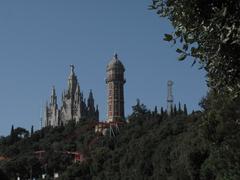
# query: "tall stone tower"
{"type": "Point", "coordinates": [115, 82]}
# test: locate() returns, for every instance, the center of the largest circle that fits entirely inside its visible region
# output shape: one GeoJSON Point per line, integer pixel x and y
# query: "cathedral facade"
{"type": "Point", "coordinates": [74, 106]}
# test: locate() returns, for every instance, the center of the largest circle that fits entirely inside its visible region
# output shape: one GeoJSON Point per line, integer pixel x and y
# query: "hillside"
{"type": "Point", "coordinates": [202, 145]}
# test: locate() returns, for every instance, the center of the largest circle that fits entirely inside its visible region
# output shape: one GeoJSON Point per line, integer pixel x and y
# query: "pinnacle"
{"type": "Point", "coordinates": [116, 56]}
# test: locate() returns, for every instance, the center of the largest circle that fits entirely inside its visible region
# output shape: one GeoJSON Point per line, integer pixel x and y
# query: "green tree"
{"type": "Point", "coordinates": [155, 110]}
{"type": "Point", "coordinates": [3, 176]}
{"type": "Point", "coordinates": [139, 110]}
{"type": "Point", "coordinates": [209, 31]}
{"type": "Point", "coordinates": [220, 128]}
{"type": "Point", "coordinates": [185, 109]}
{"type": "Point", "coordinates": [162, 111]}
{"type": "Point", "coordinates": [179, 108]}
{"type": "Point", "coordinates": [12, 130]}
{"type": "Point", "coordinates": [175, 110]}
{"type": "Point", "coordinates": [32, 130]}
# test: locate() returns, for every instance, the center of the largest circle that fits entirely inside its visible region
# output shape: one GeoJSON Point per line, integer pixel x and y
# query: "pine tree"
{"type": "Point", "coordinates": [162, 111]}
{"type": "Point", "coordinates": [32, 130]}
{"type": "Point", "coordinates": [175, 110]}
{"type": "Point", "coordinates": [12, 130]}
{"type": "Point", "coordinates": [12, 135]}
{"type": "Point", "coordinates": [172, 111]}
{"type": "Point", "coordinates": [155, 110]}
{"type": "Point", "coordinates": [185, 110]}
{"type": "Point", "coordinates": [179, 108]}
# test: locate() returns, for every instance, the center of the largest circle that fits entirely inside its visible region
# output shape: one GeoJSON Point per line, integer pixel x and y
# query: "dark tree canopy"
{"type": "Point", "coordinates": [3, 175]}
{"type": "Point", "coordinates": [209, 31]}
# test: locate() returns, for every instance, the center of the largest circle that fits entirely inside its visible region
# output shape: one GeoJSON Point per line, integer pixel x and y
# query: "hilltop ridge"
{"type": "Point", "coordinates": [153, 145]}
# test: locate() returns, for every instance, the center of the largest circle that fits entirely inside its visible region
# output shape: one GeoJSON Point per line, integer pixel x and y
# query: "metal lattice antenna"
{"type": "Point", "coordinates": [170, 96]}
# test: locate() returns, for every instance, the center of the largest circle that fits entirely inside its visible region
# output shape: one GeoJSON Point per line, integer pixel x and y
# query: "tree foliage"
{"type": "Point", "coordinates": [209, 31]}
{"type": "Point", "coordinates": [203, 145]}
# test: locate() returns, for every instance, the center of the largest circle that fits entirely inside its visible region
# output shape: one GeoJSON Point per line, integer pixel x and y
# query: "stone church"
{"type": "Point", "coordinates": [74, 106]}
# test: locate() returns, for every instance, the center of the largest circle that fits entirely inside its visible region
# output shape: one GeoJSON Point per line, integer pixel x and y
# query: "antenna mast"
{"type": "Point", "coordinates": [170, 96]}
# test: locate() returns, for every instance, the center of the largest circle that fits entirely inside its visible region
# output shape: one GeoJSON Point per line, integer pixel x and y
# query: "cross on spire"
{"type": "Point", "coordinates": [115, 55]}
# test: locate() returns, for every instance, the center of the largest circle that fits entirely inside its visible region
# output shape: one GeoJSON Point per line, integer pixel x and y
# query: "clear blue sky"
{"type": "Point", "coordinates": [39, 39]}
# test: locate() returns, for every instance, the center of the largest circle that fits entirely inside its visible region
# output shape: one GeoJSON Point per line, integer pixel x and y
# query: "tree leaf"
{"type": "Point", "coordinates": [224, 11]}
{"type": "Point", "coordinates": [179, 50]}
{"type": "Point", "coordinates": [194, 62]}
{"type": "Point", "coordinates": [168, 37]}
{"type": "Point", "coordinates": [185, 47]}
{"type": "Point", "coordinates": [178, 33]}
{"type": "Point", "coordinates": [182, 57]}
{"type": "Point", "coordinates": [152, 7]}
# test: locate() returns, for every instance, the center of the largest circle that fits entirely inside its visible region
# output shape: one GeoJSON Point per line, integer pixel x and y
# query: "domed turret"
{"type": "Point", "coordinates": [115, 70]}
{"type": "Point", "coordinates": [115, 63]}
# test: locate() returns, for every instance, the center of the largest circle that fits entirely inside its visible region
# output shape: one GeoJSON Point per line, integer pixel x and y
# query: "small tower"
{"type": "Point", "coordinates": [72, 81]}
{"type": "Point", "coordinates": [76, 105]}
{"type": "Point", "coordinates": [90, 103]}
{"type": "Point", "coordinates": [51, 111]}
{"type": "Point", "coordinates": [53, 101]}
{"type": "Point", "coordinates": [170, 97]}
{"type": "Point", "coordinates": [46, 115]}
{"type": "Point", "coordinates": [115, 82]}
{"type": "Point", "coordinates": [71, 100]}
{"type": "Point", "coordinates": [92, 112]}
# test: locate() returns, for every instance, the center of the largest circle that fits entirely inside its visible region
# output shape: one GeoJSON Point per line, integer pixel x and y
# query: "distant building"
{"type": "Point", "coordinates": [115, 82]}
{"type": "Point", "coordinates": [74, 106]}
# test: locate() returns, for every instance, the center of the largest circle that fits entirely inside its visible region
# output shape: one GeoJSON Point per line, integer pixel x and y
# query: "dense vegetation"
{"type": "Point", "coordinates": [153, 145]}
